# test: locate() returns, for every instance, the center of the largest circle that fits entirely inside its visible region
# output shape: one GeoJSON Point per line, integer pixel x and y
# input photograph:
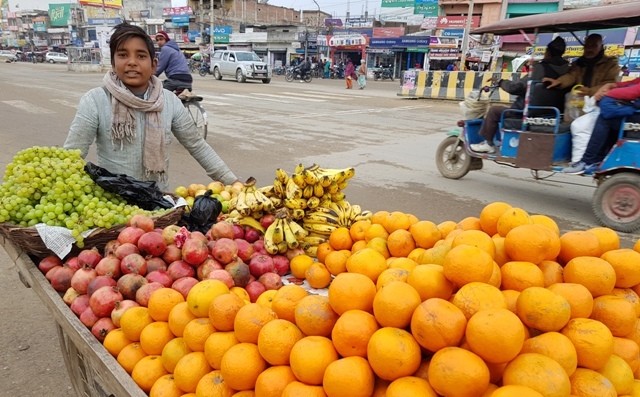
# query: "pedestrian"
{"type": "Point", "coordinates": [327, 69]}
{"type": "Point", "coordinates": [362, 74]}
{"type": "Point", "coordinates": [349, 74]}
{"type": "Point", "coordinates": [132, 118]}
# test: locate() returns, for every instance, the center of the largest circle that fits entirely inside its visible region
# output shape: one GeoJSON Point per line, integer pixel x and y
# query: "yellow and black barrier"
{"type": "Point", "coordinates": [452, 85]}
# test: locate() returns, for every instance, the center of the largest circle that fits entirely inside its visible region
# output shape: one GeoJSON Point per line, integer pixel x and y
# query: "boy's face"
{"type": "Point", "coordinates": [133, 65]}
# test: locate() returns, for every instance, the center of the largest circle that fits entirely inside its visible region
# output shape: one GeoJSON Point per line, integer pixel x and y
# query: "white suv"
{"type": "Point", "coordinates": [8, 56]}
{"type": "Point", "coordinates": [241, 65]}
{"type": "Point", "coordinates": [56, 57]}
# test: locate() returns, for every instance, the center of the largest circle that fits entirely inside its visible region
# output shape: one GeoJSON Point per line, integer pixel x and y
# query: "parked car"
{"type": "Point", "coordinates": [241, 65]}
{"type": "Point", "coordinates": [8, 56]}
{"type": "Point", "coordinates": [56, 57]}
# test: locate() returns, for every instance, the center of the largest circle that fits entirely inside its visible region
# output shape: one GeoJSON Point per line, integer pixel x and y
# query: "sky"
{"type": "Point", "coordinates": [337, 8]}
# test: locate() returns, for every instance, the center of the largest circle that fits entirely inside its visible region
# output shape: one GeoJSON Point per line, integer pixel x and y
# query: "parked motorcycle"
{"type": "Point", "coordinates": [296, 74]}
{"type": "Point", "coordinates": [279, 70]}
{"type": "Point", "coordinates": [337, 71]}
{"type": "Point", "coordinates": [383, 74]}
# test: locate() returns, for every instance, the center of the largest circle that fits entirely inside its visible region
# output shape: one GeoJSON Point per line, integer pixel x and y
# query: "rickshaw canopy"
{"type": "Point", "coordinates": [601, 17]}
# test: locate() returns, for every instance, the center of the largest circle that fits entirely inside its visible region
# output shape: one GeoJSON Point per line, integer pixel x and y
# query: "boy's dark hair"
{"type": "Point", "coordinates": [124, 32]}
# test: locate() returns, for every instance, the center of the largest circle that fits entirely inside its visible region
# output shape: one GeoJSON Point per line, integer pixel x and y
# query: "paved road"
{"type": "Point", "coordinates": [256, 128]}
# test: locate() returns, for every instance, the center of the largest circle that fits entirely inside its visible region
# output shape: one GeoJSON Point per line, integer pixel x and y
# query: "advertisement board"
{"type": "Point", "coordinates": [102, 3]}
{"type": "Point", "coordinates": [59, 14]}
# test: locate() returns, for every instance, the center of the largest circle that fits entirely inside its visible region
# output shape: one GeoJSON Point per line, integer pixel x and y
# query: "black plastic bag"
{"type": "Point", "coordinates": [144, 194]}
{"type": "Point", "coordinates": [203, 214]}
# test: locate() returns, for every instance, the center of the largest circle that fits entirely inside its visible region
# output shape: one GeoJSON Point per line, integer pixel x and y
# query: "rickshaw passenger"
{"type": "Point", "coordinates": [551, 66]}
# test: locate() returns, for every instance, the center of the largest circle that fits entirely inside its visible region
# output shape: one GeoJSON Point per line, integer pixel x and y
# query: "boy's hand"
{"type": "Point", "coordinates": [552, 82]}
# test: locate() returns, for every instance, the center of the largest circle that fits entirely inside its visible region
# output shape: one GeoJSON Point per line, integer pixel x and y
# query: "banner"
{"type": "Point", "coordinates": [428, 8]}
{"type": "Point", "coordinates": [59, 14]}
{"type": "Point", "coordinates": [610, 50]}
{"type": "Point", "coordinates": [397, 3]}
{"type": "Point", "coordinates": [100, 3]}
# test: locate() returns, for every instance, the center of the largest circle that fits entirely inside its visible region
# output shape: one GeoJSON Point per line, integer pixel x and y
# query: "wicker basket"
{"type": "Point", "coordinates": [28, 239]}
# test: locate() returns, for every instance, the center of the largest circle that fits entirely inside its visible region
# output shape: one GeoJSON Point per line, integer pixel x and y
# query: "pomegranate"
{"type": "Point", "coordinates": [238, 231]}
{"type": "Point", "coordinates": [225, 250]}
{"type": "Point", "coordinates": [104, 300]}
{"type": "Point", "coordinates": [89, 257]}
{"type": "Point", "coordinates": [258, 246]}
{"type": "Point", "coordinates": [280, 264]}
{"type": "Point", "coordinates": [179, 269]}
{"type": "Point", "coordinates": [155, 263]}
{"type": "Point", "coordinates": [184, 285]}
{"type": "Point", "coordinates": [222, 275]}
{"type": "Point", "coordinates": [199, 235]}
{"type": "Point", "coordinates": [209, 265]}
{"type": "Point", "coordinates": [141, 221]}
{"type": "Point", "coordinates": [109, 266]}
{"type": "Point", "coordinates": [111, 247]}
{"type": "Point", "coordinates": [119, 310]}
{"type": "Point", "coordinates": [73, 263]}
{"type": "Point", "coordinates": [292, 253]}
{"type": "Point", "coordinates": [160, 276]}
{"type": "Point", "coordinates": [210, 245]}
{"type": "Point", "coordinates": [82, 277]}
{"type": "Point", "coordinates": [222, 230]}
{"type": "Point", "coordinates": [270, 280]}
{"type": "Point", "coordinates": [61, 279]}
{"type": "Point", "coordinates": [261, 264]}
{"type": "Point", "coordinates": [254, 289]}
{"type": "Point", "coordinates": [125, 249]}
{"type": "Point", "coordinates": [181, 236]}
{"type": "Point", "coordinates": [267, 220]}
{"type": "Point", "coordinates": [169, 234]}
{"type": "Point", "coordinates": [130, 234]}
{"type": "Point", "coordinates": [129, 284]}
{"type": "Point", "coordinates": [239, 272]}
{"type": "Point", "coordinates": [79, 304]}
{"type": "Point", "coordinates": [88, 317]}
{"type": "Point", "coordinates": [48, 262]}
{"type": "Point", "coordinates": [144, 293]}
{"type": "Point", "coordinates": [70, 295]}
{"type": "Point", "coordinates": [133, 263]}
{"type": "Point", "coordinates": [152, 243]}
{"type": "Point", "coordinates": [172, 253]}
{"type": "Point", "coordinates": [252, 235]}
{"type": "Point", "coordinates": [245, 249]}
{"type": "Point", "coordinates": [194, 251]}
{"type": "Point", "coordinates": [101, 328]}
{"type": "Point", "coordinates": [100, 281]}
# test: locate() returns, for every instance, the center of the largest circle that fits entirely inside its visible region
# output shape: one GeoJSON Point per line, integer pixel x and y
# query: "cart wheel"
{"type": "Point", "coordinates": [452, 160]}
{"type": "Point", "coordinates": [616, 202]}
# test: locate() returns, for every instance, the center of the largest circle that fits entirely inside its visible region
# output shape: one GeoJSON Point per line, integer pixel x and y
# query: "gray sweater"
{"type": "Point", "coordinates": [93, 123]}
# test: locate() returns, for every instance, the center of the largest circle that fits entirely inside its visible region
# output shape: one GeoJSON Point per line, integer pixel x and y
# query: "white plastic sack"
{"type": "Point", "coordinates": [474, 106]}
{"type": "Point", "coordinates": [581, 129]}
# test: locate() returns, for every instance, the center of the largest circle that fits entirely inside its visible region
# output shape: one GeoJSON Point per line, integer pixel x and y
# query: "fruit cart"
{"type": "Point", "coordinates": [92, 370]}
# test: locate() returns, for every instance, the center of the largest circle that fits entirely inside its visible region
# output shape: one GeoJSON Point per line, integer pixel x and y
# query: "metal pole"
{"type": "Point", "coordinates": [465, 38]}
{"type": "Point", "coordinates": [201, 20]}
{"type": "Point", "coordinates": [211, 28]}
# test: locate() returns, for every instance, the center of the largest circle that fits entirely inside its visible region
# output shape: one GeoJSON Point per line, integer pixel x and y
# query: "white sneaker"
{"type": "Point", "coordinates": [482, 147]}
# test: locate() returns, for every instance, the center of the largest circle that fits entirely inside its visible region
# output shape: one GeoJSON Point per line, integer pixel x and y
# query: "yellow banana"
{"type": "Point", "coordinates": [252, 201]}
{"type": "Point", "coordinates": [313, 202]}
{"type": "Point", "coordinates": [323, 219]}
{"type": "Point", "coordinates": [307, 192]}
{"type": "Point", "coordinates": [242, 205]}
{"type": "Point", "coordinates": [324, 181]}
{"type": "Point", "coordinates": [363, 216]}
{"type": "Point", "coordinates": [299, 168]}
{"type": "Point", "coordinates": [314, 240]}
{"type": "Point", "coordinates": [343, 185]}
{"type": "Point", "coordinates": [271, 247]}
{"type": "Point", "coordinates": [283, 247]}
{"type": "Point", "coordinates": [318, 190]}
{"type": "Point", "coordinates": [297, 214]}
{"type": "Point", "coordinates": [312, 251]}
{"type": "Point", "coordinates": [295, 203]}
{"type": "Point", "coordinates": [267, 190]}
{"type": "Point", "coordinates": [322, 229]}
{"type": "Point", "coordinates": [289, 237]}
{"type": "Point", "coordinates": [337, 196]}
{"type": "Point", "coordinates": [264, 202]}
{"type": "Point", "coordinates": [298, 179]}
{"type": "Point", "coordinates": [251, 222]}
{"type": "Point", "coordinates": [297, 230]}
{"type": "Point", "coordinates": [310, 177]}
{"type": "Point", "coordinates": [278, 188]}
{"type": "Point", "coordinates": [275, 202]}
{"type": "Point", "coordinates": [292, 190]}
{"type": "Point", "coordinates": [274, 232]}
{"type": "Point", "coordinates": [282, 176]}
{"type": "Point", "coordinates": [333, 188]}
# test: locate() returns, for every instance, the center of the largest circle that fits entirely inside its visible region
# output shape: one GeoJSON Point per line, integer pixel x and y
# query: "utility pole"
{"type": "Point", "coordinates": [201, 19]}
{"type": "Point", "coordinates": [211, 28]}
{"type": "Point", "coordinates": [465, 38]}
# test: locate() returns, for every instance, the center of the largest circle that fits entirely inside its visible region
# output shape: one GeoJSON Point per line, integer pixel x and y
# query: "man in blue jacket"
{"type": "Point", "coordinates": [172, 62]}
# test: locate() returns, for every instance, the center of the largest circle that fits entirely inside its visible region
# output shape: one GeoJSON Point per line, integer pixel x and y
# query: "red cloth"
{"type": "Point", "coordinates": [626, 91]}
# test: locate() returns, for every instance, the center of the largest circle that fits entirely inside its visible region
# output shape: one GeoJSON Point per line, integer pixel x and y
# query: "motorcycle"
{"type": "Point", "coordinates": [337, 72]}
{"type": "Point", "coordinates": [296, 74]}
{"type": "Point", "coordinates": [204, 69]}
{"type": "Point", "coordinates": [279, 70]}
{"type": "Point", "coordinates": [383, 74]}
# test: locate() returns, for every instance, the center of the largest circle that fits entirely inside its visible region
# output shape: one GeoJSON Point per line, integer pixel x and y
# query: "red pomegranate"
{"type": "Point", "coordinates": [104, 300]}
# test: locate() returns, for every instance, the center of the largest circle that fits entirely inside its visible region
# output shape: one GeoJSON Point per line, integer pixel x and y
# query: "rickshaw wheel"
{"type": "Point", "coordinates": [452, 160]}
{"type": "Point", "coordinates": [616, 202]}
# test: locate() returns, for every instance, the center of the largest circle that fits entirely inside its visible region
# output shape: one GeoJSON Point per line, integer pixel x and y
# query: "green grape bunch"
{"type": "Point", "coordinates": [49, 185]}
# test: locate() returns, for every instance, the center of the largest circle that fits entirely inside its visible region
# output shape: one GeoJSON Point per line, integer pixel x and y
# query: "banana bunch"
{"type": "Point", "coordinates": [241, 220]}
{"type": "Point", "coordinates": [251, 200]}
{"type": "Point", "coordinates": [283, 234]}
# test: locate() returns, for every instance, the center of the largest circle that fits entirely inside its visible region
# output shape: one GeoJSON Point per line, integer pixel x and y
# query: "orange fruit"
{"type": "Point", "coordinates": [435, 255]}
{"type": "Point", "coordinates": [323, 250]}
{"type": "Point", "coordinates": [212, 385]}
{"type": "Point", "coordinates": [250, 319]}
{"type": "Point", "coordinates": [165, 386]}
{"type": "Point", "coordinates": [115, 341]}
{"type": "Point", "coordinates": [336, 262]}
{"type": "Point", "coordinates": [272, 381]}
{"type": "Point", "coordinates": [475, 238]}
{"type": "Point", "coordinates": [430, 282]}
{"type": "Point", "coordinates": [425, 234]}
{"type": "Point", "coordinates": [593, 342]}
{"type": "Point", "coordinates": [586, 382]}
{"type": "Point", "coordinates": [416, 254]}
{"type": "Point", "coordinates": [510, 219]}
{"type": "Point", "coordinates": [446, 227]}
{"type": "Point", "coordinates": [358, 245]}
{"type": "Point", "coordinates": [519, 275]}
{"type": "Point", "coordinates": [630, 295]}
{"type": "Point", "coordinates": [464, 264]}
{"type": "Point", "coordinates": [511, 297]}
{"type": "Point", "coordinates": [532, 243]}
{"type": "Point", "coordinates": [275, 340]}
{"type": "Point", "coordinates": [556, 346]}
{"type": "Point", "coordinates": [379, 217]}
{"type": "Point", "coordinates": [410, 386]}
{"type": "Point", "coordinates": [314, 315]}
{"type": "Point", "coordinates": [396, 220]}
{"type": "Point", "coordinates": [577, 295]}
{"type": "Point", "coordinates": [515, 391]}
{"type": "Point", "coordinates": [349, 376]}
{"type": "Point", "coordinates": [496, 276]}
{"type": "Point", "coordinates": [552, 272]}
{"type": "Point", "coordinates": [130, 355]}
{"type": "Point", "coordinates": [162, 301]}
{"type": "Point", "coordinates": [189, 370]}
{"type": "Point", "coordinates": [636, 246]}
{"type": "Point", "coordinates": [351, 291]}
{"type": "Point", "coordinates": [628, 350]}
{"type": "Point", "coordinates": [542, 309]}
{"type": "Point", "coordinates": [608, 238]}
{"type": "Point", "coordinates": [617, 313]}
{"type": "Point", "coordinates": [390, 275]}
{"type": "Point", "coordinates": [358, 230]}
{"type": "Point", "coordinates": [352, 331]}
{"type": "Point", "coordinates": [299, 389]}
{"type": "Point", "coordinates": [309, 358]}
{"type": "Point", "coordinates": [594, 273]}
{"type": "Point", "coordinates": [172, 352]}
{"type": "Point", "coordinates": [340, 239]}
{"type": "Point", "coordinates": [496, 335]}
{"type": "Point", "coordinates": [469, 223]}
{"type": "Point", "coordinates": [490, 214]}
{"type": "Point", "coordinates": [538, 372]}
{"type": "Point", "coordinates": [202, 294]}
{"type": "Point", "coordinates": [626, 264]}
{"type": "Point", "coordinates": [375, 231]}
{"type": "Point", "coordinates": [223, 310]}
{"type": "Point", "coordinates": [458, 372]}
{"type": "Point", "coordinates": [367, 261]}
{"type": "Point", "coordinates": [577, 243]}
{"type": "Point", "coordinates": [299, 265]}
{"type": "Point", "coordinates": [437, 324]}
{"type": "Point", "coordinates": [147, 371]}
{"type": "Point", "coordinates": [402, 263]}
{"type": "Point", "coordinates": [400, 243]}
{"type": "Point", "coordinates": [241, 365]}
{"type": "Point", "coordinates": [285, 301]}
{"type": "Point", "coordinates": [317, 275]}
{"type": "Point", "coordinates": [394, 304]}
{"type": "Point", "coordinates": [217, 345]}
{"type": "Point", "coordinates": [476, 296]}
{"type": "Point", "coordinates": [393, 353]}
{"type": "Point", "coordinates": [133, 322]}
{"type": "Point", "coordinates": [154, 337]}
{"type": "Point", "coordinates": [619, 373]}
{"type": "Point", "coordinates": [378, 244]}
{"type": "Point", "coordinates": [179, 317]}
{"type": "Point", "coordinates": [545, 221]}
{"type": "Point", "coordinates": [196, 333]}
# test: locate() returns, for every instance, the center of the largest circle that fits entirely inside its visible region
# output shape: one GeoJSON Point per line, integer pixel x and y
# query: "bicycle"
{"type": "Point", "coordinates": [196, 111]}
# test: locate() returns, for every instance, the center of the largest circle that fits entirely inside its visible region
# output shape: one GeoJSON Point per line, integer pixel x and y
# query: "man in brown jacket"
{"type": "Point", "coordinates": [593, 69]}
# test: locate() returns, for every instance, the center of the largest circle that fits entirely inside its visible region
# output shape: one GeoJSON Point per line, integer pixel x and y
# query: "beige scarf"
{"type": "Point", "coordinates": [124, 104]}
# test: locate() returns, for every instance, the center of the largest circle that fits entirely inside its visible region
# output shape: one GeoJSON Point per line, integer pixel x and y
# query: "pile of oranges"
{"type": "Point", "coordinates": [499, 305]}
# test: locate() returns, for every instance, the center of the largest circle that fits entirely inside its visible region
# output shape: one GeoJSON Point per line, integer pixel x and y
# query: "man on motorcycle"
{"type": "Point", "coordinates": [304, 67]}
{"type": "Point", "coordinates": [173, 64]}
